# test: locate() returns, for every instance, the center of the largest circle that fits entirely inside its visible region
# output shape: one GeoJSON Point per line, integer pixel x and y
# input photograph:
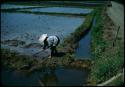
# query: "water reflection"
{"type": "Point", "coordinates": [49, 78]}
{"type": "Point", "coordinates": [46, 77]}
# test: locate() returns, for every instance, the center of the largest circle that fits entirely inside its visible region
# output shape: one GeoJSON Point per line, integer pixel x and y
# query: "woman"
{"type": "Point", "coordinates": [49, 42]}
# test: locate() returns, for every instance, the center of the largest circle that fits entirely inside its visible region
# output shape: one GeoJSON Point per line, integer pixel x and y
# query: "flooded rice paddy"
{"type": "Point", "coordinates": [17, 27]}
{"type": "Point", "coordinates": [20, 32]}
{"type": "Point", "coordinates": [29, 26]}
{"type": "Point", "coordinates": [10, 6]}
{"type": "Point", "coordinates": [61, 10]}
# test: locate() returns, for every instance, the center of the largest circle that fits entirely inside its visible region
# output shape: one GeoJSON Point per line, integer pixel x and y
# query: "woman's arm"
{"type": "Point", "coordinates": [45, 44]}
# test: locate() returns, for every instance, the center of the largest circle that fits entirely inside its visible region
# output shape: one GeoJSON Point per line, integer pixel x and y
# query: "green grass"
{"type": "Point", "coordinates": [42, 3]}
{"type": "Point", "coordinates": [15, 61]}
{"type": "Point", "coordinates": [107, 60]}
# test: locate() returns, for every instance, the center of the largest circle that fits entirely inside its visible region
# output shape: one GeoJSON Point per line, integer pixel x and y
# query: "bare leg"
{"type": "Point", "coordinates": [50, 56]}
{"type": "Point", "coordinates": [52, 52]}
{"type": "Point", "coordinates": [55, 51]}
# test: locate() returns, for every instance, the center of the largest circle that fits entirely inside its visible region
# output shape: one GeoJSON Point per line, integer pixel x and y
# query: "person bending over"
{"type": "Point", "coordinates": [49, 42]}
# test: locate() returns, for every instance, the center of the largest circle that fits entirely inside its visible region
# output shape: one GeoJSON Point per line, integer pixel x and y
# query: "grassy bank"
{"type": "Point", "coordinates": [71, 42]}
{"type": "Point", "coordinates": [16, 61]}
{"type": "Point", "coordinates": [108, 60]}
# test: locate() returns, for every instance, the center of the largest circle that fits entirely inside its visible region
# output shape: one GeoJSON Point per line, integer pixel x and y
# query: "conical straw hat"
{"type": "Point", "coordinates": [42, 38]}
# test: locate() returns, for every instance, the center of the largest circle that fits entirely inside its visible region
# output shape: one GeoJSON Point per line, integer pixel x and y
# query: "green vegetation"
{"type": "Point", "coordinates": [16, 61]}
{"type": "Point", "coordinates": [107, 60]}
{"type": "Point", "coordinates": [55, 4]}
{"type": "Point", "coordinates": [119, 1]}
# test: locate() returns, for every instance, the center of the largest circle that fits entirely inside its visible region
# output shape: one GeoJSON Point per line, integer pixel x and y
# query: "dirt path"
{"type": "Point", "coordinates": [111, 80]}
{"type": "Point", "coordinates": [116, 13]}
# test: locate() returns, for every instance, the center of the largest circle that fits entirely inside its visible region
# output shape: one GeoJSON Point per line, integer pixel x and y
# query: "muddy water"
{"type": "Point", "coordinates": [28, 28]}
{"type": "Point", "coordinates": [62, 10]}
{"type": "Point", "coordinates": [84, 50]}
{"type": "Point", "coordinates": [58, 77]}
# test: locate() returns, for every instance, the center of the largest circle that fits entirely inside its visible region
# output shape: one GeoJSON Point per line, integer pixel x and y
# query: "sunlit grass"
{"type": "Point", "coordinates": [108, 60]}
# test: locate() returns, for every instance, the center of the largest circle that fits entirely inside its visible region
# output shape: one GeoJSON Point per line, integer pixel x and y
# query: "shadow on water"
{"type": "Point", "coordinates": [64, 77]}
{"type": "Point", "coordinates": [59, 54]}
{"type": "Point", "coordinates": [48, 77]}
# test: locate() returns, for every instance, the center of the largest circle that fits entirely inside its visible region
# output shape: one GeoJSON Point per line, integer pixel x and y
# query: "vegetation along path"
{"type": "Point", "coordinates": [108, 58]}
